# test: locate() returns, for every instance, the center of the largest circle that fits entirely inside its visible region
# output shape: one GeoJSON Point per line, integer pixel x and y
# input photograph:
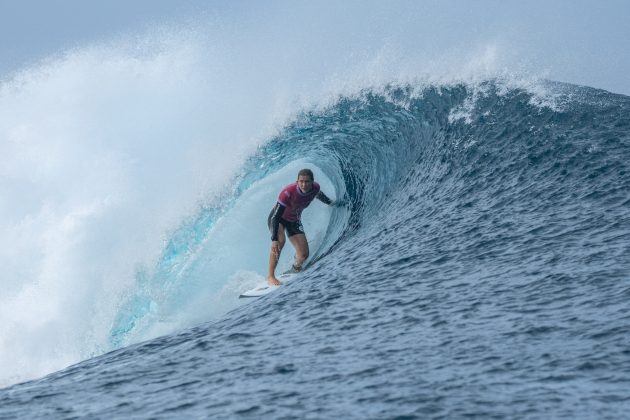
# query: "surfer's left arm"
{"type": "Point", "coordinates": [324, 198]}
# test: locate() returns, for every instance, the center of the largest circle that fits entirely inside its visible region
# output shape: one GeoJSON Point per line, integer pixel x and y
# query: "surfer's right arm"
{"type": "Point", "coordinates": [275, 221]}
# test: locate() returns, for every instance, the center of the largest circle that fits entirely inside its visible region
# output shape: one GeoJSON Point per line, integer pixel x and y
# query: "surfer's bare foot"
{"type": "Point", "coordinates": [273, 281]}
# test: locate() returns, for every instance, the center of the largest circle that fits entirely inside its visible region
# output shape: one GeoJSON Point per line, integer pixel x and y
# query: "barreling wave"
{"type": "Point", "coordinates": [479, 268]}
{"type": "Point", "coordinates": [473, 173]}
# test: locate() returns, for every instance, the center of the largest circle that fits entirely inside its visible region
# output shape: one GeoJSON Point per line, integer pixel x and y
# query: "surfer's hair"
{"type": "Point", "coordinates": [306, 172]}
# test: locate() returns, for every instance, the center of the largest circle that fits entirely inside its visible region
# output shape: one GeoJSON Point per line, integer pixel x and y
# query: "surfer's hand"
{"type": "Point", "coordinates": [273, 281]}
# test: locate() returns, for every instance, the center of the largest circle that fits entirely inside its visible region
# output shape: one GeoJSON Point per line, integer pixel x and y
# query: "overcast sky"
{"type": "Point", "coordinates": [578, 41]}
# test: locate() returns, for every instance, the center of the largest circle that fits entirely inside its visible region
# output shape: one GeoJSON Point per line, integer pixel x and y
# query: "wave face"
{"type": "Point", "coordinates": [480, 268]}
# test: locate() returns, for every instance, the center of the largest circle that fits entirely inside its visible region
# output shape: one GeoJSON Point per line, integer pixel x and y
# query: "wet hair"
{"type": "Point", "coordinates": [306, 172]}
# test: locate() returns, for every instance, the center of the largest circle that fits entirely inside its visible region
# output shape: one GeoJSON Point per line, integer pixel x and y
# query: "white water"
{"type": "Point", "coordinates": [104, 152]}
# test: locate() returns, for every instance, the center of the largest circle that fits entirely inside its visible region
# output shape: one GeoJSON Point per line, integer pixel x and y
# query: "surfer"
{"type": "Point", "coordinates": [285, 217]}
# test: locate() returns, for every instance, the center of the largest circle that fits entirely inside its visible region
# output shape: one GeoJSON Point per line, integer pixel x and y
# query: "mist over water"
{"type": "Point", "coordinates": [110, 149]}
{"type": "Point", "coordinates": [105, 152]}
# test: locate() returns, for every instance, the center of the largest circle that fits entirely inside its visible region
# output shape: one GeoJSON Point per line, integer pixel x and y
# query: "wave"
{"type": "Point", "coordinates": [104, 242]}
{"type": "Point", "coordinates": [477, 219]}
{"type": "Point", "coordinates": [485, 148]}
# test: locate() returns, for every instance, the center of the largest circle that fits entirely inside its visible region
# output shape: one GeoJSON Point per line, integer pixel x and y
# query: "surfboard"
{"type": "Point", "coordinates": [265, 288]}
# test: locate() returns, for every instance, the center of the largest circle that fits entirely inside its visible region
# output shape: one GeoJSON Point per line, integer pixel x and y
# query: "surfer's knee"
{"type": "Point", "coordinates": [302, 254]}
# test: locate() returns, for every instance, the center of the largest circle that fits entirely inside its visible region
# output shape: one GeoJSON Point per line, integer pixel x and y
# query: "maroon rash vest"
{"type": "Point", "coordinates": [294, 200]}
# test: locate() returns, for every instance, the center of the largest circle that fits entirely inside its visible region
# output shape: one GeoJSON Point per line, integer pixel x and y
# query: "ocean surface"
{"type": "Point", "coordinates": [480, 268]}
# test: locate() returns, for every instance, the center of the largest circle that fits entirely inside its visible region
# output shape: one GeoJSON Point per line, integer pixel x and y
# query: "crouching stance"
{"type": "Point", "coordinates": [286, 217]}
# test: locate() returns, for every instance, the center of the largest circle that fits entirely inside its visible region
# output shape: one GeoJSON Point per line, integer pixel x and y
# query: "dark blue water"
{"type": "Point", "coordinates": [484, 272]}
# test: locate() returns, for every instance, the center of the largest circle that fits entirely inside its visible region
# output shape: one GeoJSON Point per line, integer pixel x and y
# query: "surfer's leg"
{"type": "Point", "coordinates": [274, 256]}
{"type": "Point", "coordinates": [301, 250]}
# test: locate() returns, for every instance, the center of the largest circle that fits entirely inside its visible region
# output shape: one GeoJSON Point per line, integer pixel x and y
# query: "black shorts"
{"type": "Point", "coordinates": [292, 228]}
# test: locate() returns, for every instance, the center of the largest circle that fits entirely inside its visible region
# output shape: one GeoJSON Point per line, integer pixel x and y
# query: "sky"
{"type": "Point", "coordinates": [577, 41]}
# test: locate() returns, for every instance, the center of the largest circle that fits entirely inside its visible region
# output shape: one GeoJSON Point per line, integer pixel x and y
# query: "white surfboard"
{"type": "Point", "coordinates": [266, 288]}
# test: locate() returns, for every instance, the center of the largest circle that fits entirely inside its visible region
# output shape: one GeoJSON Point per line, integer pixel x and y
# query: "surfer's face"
{"type": "Point", "coordinates": [305, 183]}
